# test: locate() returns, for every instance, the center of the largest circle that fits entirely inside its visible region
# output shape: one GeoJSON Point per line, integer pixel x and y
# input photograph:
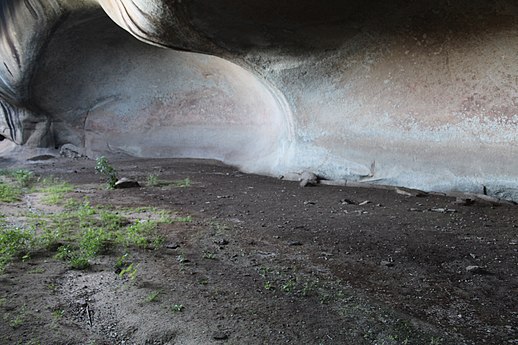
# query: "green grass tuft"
{"type": "Point", "coordinates": [13, 242]}
{"type": "Point", "coordinates": [131, 272]}
{"type": "Point", "coordinates": [137, 234]}
{"type": "Point", "coordinates": [54, 191]}
{"type": "Point", "coordinates": [9, 193]}
{"type": "Point", "coordinates": [93, 242]}
{"type": "Point", "coordinates": [153, 181]}
{"type": "Point", "coordinates": [22, 176]}
{"type": "Point", "coordinates": [153, 296]}
{"type": "Point", "coordinates": [80, 263]}
{"type": "Point", "coordinates": [186, 219]}
{"type": "Point", "coordinates": [186, 182]}
{"type": "Point", "coordinates": [81, 231]}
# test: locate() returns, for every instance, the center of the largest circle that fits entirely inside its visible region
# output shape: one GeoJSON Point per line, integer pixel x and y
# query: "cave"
{"type": "Point", "coordinates": [421, 94]}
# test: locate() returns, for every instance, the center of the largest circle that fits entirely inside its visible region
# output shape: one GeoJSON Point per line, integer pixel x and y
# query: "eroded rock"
{"type": "Point", "coordinates": [272, 87]}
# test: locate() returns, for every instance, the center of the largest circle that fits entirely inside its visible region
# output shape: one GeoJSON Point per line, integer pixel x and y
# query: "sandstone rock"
{"type": "Point", "coordinates": [124, 183]}
{"type": "Point", "coordinates": [71, 151]}
{"type": "Point", "coordinates": [270, 110]}
{"type": "Point", "coordinates": [410, 192]}
{"type": "Point", "coordinates": [477, 270]}
{"type": "Point", "coordinates": [387, 263]}
{"type": "Point", "coordinates": [308, 179]}
{"type": "Point", "coordinates": [464, 201]}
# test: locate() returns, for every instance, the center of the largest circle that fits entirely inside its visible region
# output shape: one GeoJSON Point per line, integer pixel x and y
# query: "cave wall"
{"type": "Point", "coordinates": [113, 94]}
{"type": "Point", "coordinates": [422, 94]}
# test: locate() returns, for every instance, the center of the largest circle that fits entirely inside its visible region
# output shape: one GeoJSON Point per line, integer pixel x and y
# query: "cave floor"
{"type": "Point", "coordinates": [258, 260]}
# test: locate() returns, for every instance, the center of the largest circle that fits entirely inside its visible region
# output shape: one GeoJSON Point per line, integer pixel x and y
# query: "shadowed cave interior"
{"type": "Point", "coordinates": [420, 94]}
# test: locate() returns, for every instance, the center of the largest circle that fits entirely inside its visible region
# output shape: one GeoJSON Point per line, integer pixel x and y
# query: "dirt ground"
{"type": "Point", "coordinates": [264, 261]}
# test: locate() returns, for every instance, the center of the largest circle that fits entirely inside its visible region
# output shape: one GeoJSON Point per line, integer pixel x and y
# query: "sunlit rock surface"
{"type": "Point", "coordinates": [422, 94]}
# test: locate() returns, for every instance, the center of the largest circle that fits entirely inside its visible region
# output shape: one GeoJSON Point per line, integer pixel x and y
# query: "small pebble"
{"type": "Point", "coordinates": [220, 336]}
{"type": "Point", "coordinates": [221, 242]}
{"type": "Point", "coordinates": [386, 263]}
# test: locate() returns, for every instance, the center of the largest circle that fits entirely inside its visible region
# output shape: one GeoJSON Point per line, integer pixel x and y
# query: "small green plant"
{"type": "Point", "coordinates": [164, 216]}
{"type": "Point", "coordinates": [186, 182]}
{"type": "Point", "coordinates": [102, 166]}
{"type": "Point", "coordinates": [157, 242]}
{"type": "Point", "coordinates": [307, 288]}
{"type": "Point", "coordinates": [13, 242]}
{"type": "Point", "coordinates": [137, 234]}
{"type": "Point", "coordinates": [52, 287]}
{"type": "Point", "coordinates": [38, 270]}
{"type": "Point", "coordinates": [93, 242]}
{"type": "Point", "coordinates": [16, 322]}
{"type": "Point", "coordinates": [9, 193]}
{"type": "Point", "coordinates": [85, 212]}
{"type": "Point", "coordinates": [54, 191]}
{"type": "Point", "coordinates": [111, 221]}
{"type": "Point", "coordinates": [181, 258]}
{"type": "Point", "coordinates": [289, 286]}
{"type": "Point", "coordinates": [23, 177]}
{"type": "Point", "coordinates": [186, 219]}
{"type": "Point", "coordinates": [58, 313]}
{"type": "Point", "coordinates": [268, 285]}
{"type": "Point", "coordinates": [64, 253]}
{"type": "Point", "coordinates": [325, 297]}
{"type": "Point", "coordinates": [76, 259]}
{"type": "Point", "coordinates": [152, 296]}
{"type": "Point", "coordinates": [209, 256]}
{"type": "Point", "coordinates": [265, 271]}
{"type": "Point", "coordinates": [26, 257]}
{"type": "Point", "coordinates": [130, 271]}
{"type": "Point", "coordinates": [142, 209]}
{"type": "Point", "coordinates": [50, 237]}
{"type": "Point", "coordinates": [177, 308]}
{"type": "Point", "coordinates": [435, 341]}
{"type": "Point", "coordinates": [80, 263]}
{"type": "Point", "coordinates": [121, 263]}
{"type": "Point", "coordinates": [19, 318]}
{"type": "Point", "coordinates": [152, 180]}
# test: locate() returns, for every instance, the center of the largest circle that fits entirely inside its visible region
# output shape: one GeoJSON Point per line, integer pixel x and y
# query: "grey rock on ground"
{"type": "Point", "coordinates": [125, 182]}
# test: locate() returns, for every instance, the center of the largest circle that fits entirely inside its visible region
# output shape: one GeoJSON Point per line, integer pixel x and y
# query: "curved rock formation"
{"type": "Point", "coordinates": [422, 94]}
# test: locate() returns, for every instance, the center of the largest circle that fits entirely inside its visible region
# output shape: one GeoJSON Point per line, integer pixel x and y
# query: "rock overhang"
{"type": "Point", "coordinates": [420, 94]}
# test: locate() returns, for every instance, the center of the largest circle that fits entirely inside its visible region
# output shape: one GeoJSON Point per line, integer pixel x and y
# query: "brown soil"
{"type": "Point", "coordinates": [267, 262]}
